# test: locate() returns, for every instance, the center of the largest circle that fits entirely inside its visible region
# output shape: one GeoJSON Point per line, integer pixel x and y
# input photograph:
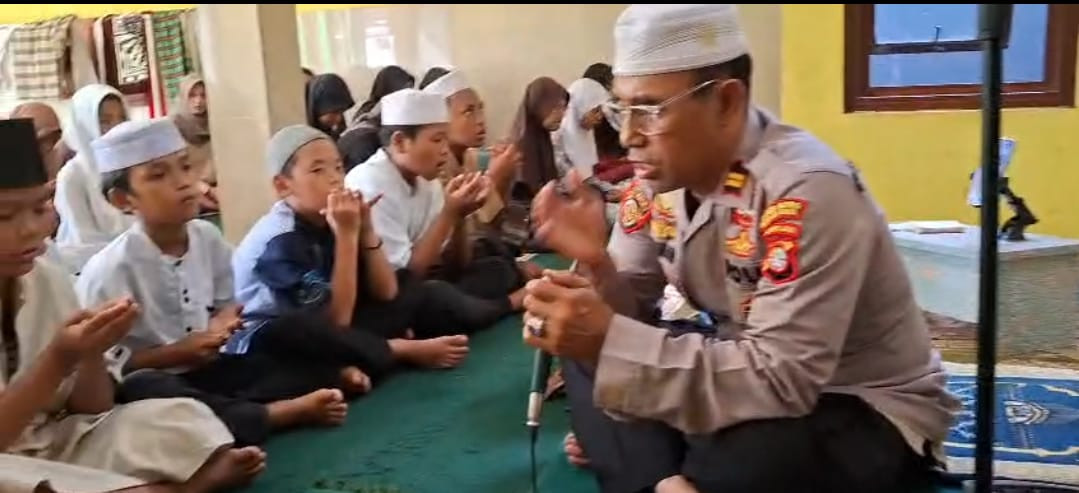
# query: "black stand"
{"type": "Point", "coordinates": [994, 23]}
{"type": "Point", "coordinates": [1014, 228]}
{"type": "Point", "coordinates": [994, 26]}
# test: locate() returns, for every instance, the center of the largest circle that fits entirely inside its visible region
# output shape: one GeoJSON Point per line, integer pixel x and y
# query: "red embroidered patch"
{"type": "Point", "coordinates": [781, 230]}
{"type": "Point", "coordinates": [635, 211]}
{"type": "Point", "coordinates": [788, 210]}
{"type": "Point", "coordinates": [741, 218]}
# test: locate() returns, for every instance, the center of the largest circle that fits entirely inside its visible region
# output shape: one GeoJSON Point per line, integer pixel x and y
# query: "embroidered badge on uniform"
{"type": "Point", "coordinates": [740, 246]}
{"type": "Point", "coordinates": [745, 307]}
{"type": "Point", "coordinates": [664, 224]}
{"type": "Point", "coordinates": [781, 231]}
{"type": "Point", "coordinates": [736, 179]}
{"type": "Point", "coordinates": [780, 260]}
{"type": "Point", "coordinates": [635, 210]}
{"type": "Point", "coordinates": [739, 242]}
{"type": "Point", "coordinates": [787, 210]}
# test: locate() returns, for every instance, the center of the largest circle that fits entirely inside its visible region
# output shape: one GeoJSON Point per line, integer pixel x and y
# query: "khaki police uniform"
{"type": "Point", "coordinates": [795, 262]}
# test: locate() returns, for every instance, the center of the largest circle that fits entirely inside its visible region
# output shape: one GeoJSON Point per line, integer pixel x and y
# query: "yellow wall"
{"type": "Point", "coordinates": [918, 163]}
{"type": "Point", "coordinates": [18, 13]}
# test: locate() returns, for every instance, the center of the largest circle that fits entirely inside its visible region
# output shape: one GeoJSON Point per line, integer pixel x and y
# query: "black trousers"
{"type": "Point", "coordinates": [236, 388]}
{"type": "Point", "coordinates": [310, 339]}
{"type": "Point", "coordinates": [428, 308]}
{"type": "Point", "coordinates": [843, 446]}
{"type": "Point", "coordinates": [492, 273]}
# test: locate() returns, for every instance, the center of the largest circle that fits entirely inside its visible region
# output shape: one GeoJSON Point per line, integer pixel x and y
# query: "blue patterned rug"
{"type": "Point", "coordinates": [1037, 423]}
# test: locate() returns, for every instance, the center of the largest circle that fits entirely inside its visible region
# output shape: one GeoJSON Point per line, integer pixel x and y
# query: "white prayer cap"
{"type": "Point", "coordinates": [663, 38]}
{"type": "Point", "coordinates": [412, 107]}
{"type": "Point", "coordinates": [132, 143]}
{"type": "Point", "coordinates": [448, 85]}
{"type": "Point", "coordinates": [284, 144]}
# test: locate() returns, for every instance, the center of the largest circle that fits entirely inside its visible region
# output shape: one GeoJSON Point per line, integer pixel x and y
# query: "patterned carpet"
{"type": "Point", "coordinates": [1037, 416]}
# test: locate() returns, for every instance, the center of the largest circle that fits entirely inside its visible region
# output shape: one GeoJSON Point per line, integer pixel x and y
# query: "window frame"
{"type": "Point", "coordinates": [1056, 90]}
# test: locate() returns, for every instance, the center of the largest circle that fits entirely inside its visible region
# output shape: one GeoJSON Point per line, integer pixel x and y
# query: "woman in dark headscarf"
{"type": "Point", "coordinates": [600, 72]}
{"type": "Point", "coordinates": [361, 141]}
{"type": "Point", "coordinates": [388, 80]}
{"type": "Point", "coordinates": [328, 98]}
{"type": "Point", "coordinates": [540, 113]}
{"type": "Point", "coordinates": [433, 74]}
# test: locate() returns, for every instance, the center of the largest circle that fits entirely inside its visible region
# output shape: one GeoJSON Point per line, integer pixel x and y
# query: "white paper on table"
{"type": "Point", "coordinates": [929, 227]}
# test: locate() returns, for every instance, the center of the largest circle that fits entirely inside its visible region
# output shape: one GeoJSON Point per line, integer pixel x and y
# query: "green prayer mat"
{"type": "Point", "coordinates": [435, 432]}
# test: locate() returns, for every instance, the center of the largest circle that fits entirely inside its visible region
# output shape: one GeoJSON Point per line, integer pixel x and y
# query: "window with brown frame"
{"type": "Point", "coordinates": [907, 57]}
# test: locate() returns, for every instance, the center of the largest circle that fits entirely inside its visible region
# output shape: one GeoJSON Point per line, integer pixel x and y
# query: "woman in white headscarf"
{"type": "Point", "coordinates": [575, 140]}
{"type": "Point", "coordinates": [88, 221]}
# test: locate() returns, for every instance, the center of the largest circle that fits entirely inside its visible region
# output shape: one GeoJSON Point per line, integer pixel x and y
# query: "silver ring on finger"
{"type": "Point", "coordinates": [536, 326]}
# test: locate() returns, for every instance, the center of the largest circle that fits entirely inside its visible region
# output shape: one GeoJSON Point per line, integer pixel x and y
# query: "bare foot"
{"type": "Point", "coordinates": [517, 299]}
{"type": "Point", "coordinates": [439, 352]}
{"type": "Point", "coordinates": [323, 407]}
{"type": "Point", "coordinates": [355, 381]}
{"type": "Point", "coordinates": [675, 484]}
{"type": "Point", "coordinates": [530, 270]}
{"type": "Point", "coordinates": [227, 468]}
{"type": "Point", "coordinates": [574, 452]}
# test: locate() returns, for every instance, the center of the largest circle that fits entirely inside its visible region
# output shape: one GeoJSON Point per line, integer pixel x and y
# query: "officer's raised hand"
{"type": "Point", "coordinates": [571, 319]}
{"type": "Point", "coordinates": [571, 222]}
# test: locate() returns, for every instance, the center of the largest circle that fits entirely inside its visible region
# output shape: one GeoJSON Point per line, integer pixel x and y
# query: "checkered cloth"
{"type": "Point", "coordinates": [171, 51]}
{"type": "Point", "coordinates": [39, 63]}
{"type": "Point", "coordinates": [189, 22]}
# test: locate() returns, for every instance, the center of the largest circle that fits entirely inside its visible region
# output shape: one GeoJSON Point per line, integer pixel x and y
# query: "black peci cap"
{"type": "Point", "coordinates": [21, 165]}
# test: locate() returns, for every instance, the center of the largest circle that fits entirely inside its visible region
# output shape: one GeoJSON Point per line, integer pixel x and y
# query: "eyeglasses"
{"type": "Point", "coordinates": [649, 117]}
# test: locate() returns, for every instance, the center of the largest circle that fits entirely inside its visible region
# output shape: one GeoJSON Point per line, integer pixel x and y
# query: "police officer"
{"type": "Point", "coordinates": [818, 375]}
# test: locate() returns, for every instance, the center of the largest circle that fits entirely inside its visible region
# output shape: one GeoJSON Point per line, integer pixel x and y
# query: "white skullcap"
{"type": "Point", "coordinates": [448, 85]}
{"type": "Point", "coordinates": [412, 107]}
{"type": "Point", "coordinates": [284, 144]}
{"type": "Point", "coordinates": [132, 143]}
{"type": "Point", "coordinates": [663, 38]}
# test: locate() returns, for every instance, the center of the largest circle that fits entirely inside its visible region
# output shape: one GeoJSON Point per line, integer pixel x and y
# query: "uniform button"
{"type": "Point", "coordinates": [187, 329]}
{"type": "Point", "coordinates": [178, 263]}
{"type": "Point", "coordinates": [187, 300]}
{"type": "Point", "coordinates": [185, 291]}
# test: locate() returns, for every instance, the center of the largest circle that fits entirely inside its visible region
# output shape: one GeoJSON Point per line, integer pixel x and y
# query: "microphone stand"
{"type": "Point", "coordinates": [541, 370]}
{"type": "Point", "coordinates": [994, 25]}
{"type": "Point", "coordinates": [994, 22]}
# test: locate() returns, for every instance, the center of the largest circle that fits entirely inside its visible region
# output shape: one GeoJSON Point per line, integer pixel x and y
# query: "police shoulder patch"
{"type": "Point", "coordinates": [781, 232]}
{"type": "Point", "coordinates": [780, 260]}
{"type": "Point", "coordinates": [783, 210]}
{"type": "Point", "coordinates": [635, 211]}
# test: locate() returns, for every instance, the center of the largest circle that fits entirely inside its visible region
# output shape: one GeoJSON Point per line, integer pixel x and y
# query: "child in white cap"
{"type": "Point", "coordinates": [314, 279]}
{"type": "Point", "coordinates": [59, 427]}
{"type": "Point", "coordinates": [178, 269]}
{"type": "Point", "coordinates": [418, 219]}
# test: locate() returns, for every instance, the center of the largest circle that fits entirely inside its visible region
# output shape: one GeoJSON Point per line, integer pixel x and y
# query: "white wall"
{"type": "Point", "coordinates": [501, 47]}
